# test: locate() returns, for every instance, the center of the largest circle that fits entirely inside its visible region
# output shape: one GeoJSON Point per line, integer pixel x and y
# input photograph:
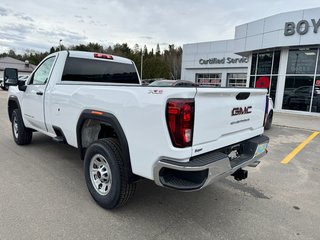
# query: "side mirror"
{"type": "Point", "coordinates": [10, 76]}
{"type": "Point", "coordinates": [22, 85]}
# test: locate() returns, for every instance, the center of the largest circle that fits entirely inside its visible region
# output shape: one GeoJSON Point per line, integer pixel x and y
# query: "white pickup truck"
{"type": "Point", "coordinates": [181, 137]}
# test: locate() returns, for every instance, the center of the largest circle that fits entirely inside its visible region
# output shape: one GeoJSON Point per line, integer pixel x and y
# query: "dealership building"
{"type": "Point", "coordinates": [280, 53]}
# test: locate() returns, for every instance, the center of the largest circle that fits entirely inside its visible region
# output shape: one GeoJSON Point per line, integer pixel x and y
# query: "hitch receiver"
{"type": "Point", "coordinates": [240, 174]}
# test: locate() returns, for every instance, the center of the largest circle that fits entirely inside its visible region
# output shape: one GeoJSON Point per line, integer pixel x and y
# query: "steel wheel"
{"type": "Point", "coordinates": [107, 174]}
{"type": "Point", "coordinates": [15, 127]}
{"type": "Point", "coordinates": [100, 174]}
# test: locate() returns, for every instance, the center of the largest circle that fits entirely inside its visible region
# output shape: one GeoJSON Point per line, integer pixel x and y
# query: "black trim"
{"type": "Point", "coordinates": [183, 180]}
{"type": "Point", "coordinates": [59, 133]}
{"type": "Point", "coordinates": [109, 120]}
{"type": "Point", "coordinates": [15, 99]}
{"type": "Point", "coordinates": [242, 95]}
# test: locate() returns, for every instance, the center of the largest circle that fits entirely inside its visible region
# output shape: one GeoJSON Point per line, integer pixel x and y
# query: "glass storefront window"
{"type": "Point", "coordinates": [237, 79]}
{"type": "Point", "coordinates": [254, 64]}
{"type": "Point", "coordinates": [302, 61]}
{"type": "Point", "coordinates": [302, 87]}
{"type": "Point", "coordinates": [264, 71]}
{"type": "Point", "coordinates": [276, 61]}
{"type": "Point", "coordinates": [316, 95]}
{"type": "Point", "coordinates": [264, 63]}
{"type": "Point", "coordinates": [263, 82]}
{"type": "Point", "coordinates": [210, 79]}
{"type": "Point", "coordinates": [273, 88]}
{"type": "Point", "coordinates": [297, 93]}
{"type": "Point", "coordinates": [252, 80]}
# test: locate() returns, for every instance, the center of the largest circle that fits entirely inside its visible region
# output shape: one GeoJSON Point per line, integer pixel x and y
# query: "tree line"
{"type": "Point", "coordinates": [156, 63]}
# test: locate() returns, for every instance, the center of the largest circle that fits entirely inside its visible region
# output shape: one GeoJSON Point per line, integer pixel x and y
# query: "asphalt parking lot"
{"type": "Point", "coordinates": [43, 196]}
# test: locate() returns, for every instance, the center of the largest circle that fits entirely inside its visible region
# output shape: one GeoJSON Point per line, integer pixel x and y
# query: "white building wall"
{"type": "Point", "coordinates": [281, 78]}
{"type": "Point", "coordinates": [270, 32]}
{"type": "Point", "coordinates": [190, 74]}
{"type": "Point", "coordinates": [193, 53]}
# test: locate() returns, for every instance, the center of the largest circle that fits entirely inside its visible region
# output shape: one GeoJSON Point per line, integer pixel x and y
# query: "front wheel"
{"type": "Point", "coordinates": [21, 134]}
{"type": "Point", "coordinates": [107, 174]}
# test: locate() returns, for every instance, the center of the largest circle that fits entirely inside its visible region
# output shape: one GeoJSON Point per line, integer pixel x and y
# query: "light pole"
{"type": "Point", "coordinates": [141, 63]}
{"type": "Point", "coordinates": [60, 44]}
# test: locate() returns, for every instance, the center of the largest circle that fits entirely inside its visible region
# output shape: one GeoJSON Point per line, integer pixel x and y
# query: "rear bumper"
{"type": "Point", "coordinates": [204, 169]}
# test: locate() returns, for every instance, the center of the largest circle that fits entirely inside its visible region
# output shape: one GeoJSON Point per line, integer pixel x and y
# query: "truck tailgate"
{"type": "Point", "coordinates": [224, 116]}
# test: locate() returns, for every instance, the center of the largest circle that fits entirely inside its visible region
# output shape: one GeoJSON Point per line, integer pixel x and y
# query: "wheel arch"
{"type": "Point", "coordinates": [109, 121]}
{"type": "Point", "coordinates": [13, 103]}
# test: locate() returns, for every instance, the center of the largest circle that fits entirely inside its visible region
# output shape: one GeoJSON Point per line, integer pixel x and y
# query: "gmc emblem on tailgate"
{"type": "Point", "coordinates": [240, 111]}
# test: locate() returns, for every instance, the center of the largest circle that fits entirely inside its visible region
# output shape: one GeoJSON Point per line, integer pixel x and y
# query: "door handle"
{"type": "Point", "coordinates": [39, 93]}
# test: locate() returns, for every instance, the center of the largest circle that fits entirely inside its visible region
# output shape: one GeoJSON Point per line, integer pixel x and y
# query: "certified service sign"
{"type": "Point", "coordinates": [225, 60]}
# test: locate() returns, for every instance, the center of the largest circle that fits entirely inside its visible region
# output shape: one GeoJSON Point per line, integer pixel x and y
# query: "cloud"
{"type": "Point", "coordinates": [18, 29]}
{"type": "Point", "coordinates": [4, 12]}
{"type": "Point", "coordinates": [119, 21]}
{"type": "Point", "coordinates": [25, 45]}
{"type": "Point", "coordinates": [146, 37]}
{"type": "Point", "coordinates": [27, 18]}
{"type": "Point", "coordinates": [8, 12]}
{"type": "Point", "coordinates": [64, 35]}
{"type": "Point", "coordinates": [11, 36]}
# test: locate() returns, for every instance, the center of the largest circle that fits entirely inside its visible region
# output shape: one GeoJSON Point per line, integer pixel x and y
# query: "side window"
{"type": "Point", "coordinates": [40, 77]}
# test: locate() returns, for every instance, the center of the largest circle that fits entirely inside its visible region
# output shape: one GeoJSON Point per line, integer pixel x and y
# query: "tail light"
{"type": "Point", "coordinates": [180, 121]}
{"type": "Point", "coordinates": [266, 111]}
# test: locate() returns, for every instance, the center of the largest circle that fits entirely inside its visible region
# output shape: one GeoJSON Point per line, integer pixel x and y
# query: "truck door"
{"type": "Point", "coordinates": [33, 102]}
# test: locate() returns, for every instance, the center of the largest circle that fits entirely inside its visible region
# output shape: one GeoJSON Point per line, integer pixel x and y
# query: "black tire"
{"type": "Point", "coordinates": [269, 121]}
{"type": "Point", "coordinates": [120, 190]}
{"type": "Point", "coordinates": [21, 134]}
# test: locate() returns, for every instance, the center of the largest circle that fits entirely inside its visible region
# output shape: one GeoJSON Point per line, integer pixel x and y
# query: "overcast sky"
{"type": "Point", "coordinates": [40, 24]}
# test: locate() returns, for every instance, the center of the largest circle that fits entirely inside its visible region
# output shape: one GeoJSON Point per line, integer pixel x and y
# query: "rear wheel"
{"type": "Point", "coordinates": [21, 134]}
{"type": "Point", "coordinates": [107, 174]}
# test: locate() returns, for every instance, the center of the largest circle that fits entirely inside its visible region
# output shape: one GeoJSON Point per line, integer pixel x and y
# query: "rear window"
{"type": "Point", "coordinates": [89, 70]}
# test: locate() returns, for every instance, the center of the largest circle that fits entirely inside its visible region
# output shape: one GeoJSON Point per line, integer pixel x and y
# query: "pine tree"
{"type": "Point", "coordinates": [52, 50]}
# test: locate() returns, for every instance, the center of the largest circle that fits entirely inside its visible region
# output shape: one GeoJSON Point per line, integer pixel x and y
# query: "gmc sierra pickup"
{"type": "Point", "coordinates": [182, 138]}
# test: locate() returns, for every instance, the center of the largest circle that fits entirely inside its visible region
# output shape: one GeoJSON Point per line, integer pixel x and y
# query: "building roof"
{"type": "Point", "coordinates": [9, 62]}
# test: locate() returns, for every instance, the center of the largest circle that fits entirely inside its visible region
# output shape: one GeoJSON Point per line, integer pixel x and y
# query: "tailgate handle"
{"type": "Point", "coordinates": [242, 96]}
